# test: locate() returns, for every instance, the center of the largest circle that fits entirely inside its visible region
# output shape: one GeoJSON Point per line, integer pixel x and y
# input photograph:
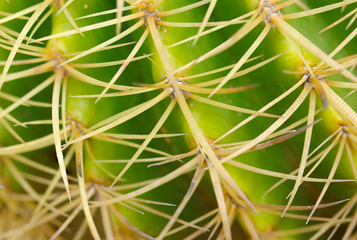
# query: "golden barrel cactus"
{"type": "Point", "coordinates": [161, 119]}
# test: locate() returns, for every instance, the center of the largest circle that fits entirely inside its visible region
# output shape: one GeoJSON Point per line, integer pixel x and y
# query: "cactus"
{"type": "Point", "coordinates": [178, 119]}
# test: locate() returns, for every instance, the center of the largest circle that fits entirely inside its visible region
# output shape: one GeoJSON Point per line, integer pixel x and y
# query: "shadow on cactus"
{"type": "Point", "coordinates": [178, 119]}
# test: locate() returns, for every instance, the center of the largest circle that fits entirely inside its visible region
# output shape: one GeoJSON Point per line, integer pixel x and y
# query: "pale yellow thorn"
{"type": "Point", "coordinates": [277, 137]}
{"type": "Point", "coordinates": [33, 164]}
{"type": "Point", "coordinates": [217, 222]}
{"type": "Point", "coordinates": [193, 89]}
{"type": "Point", "coordinates": [189, 166]}
{"type": "Point", "coordinates": [82, 229]}
{"type": "Point", "coordinates": [48, 14]}
{"type": "Point", "coordinates": [325, 153]}
{"type": "Point", "coordinates": [153, 132]}
{"type": "Point", "coordinates": [243, 31]}
{"type": "Point", "coordinates": [134, 2]}
{"type": "Point", "coordinates": [182, 9]}
{"type": "Point", "coordinates": [274, 126]}
{"type": "Point", "coordinates": [289, 131]}
{"type": "Point", "coordinates": [350, 204]}
{"type": "Point", "coordinates": [157, 3]}
{"type": "Point", "coordinates": [64, 6]}
{"type": "Point", "coordinates": [29, 145]}
{"type": "Point", "coordinates": [93, 159]}
{"type": "Point", "coordinates": [238, 74]}
{"type": "Point", "coordinates": [126, 63]}
{"type": "Point", "coordinates": [350, 61]}
{"type": "Point", "coordinates": [306, 149]}
{"type": "Point", "coordinates": [56, 129]}
{"type": "Point", "coordinates": [119, 14]}
{"type": "Point", "coordinates": [57, 201]}
{"type": "Point", "coordinates": [131, 144]}
{"type": "Point", "coordinates": [148, 160]}
{"type": "Point", "coordinates": [39, 122]}
{"type": "Point", "coordinates": [325, 141]}
{"type": "Point", "coordinates": [106, 64]}
{"type": "Point", "coordinates": [27, 187]}
{"type": "Point", "coordinates": [12, 33]}
{"type": "Point", "coordinates": [125, 113]}
{"type": "Point", "coordinates": [214, 29]}
{"type": "Point", "coordinates": [346, 85]}
{"type": "Point", "coordinates": [66, 223]}
{"type": "Point", "coordinates": [318, 10]}
{"type": "Point", "coordinates": [129, 225]}
{"type": "Point", "coordinates": [82, 189]}
{"type": "Point", "coordinates": [26, 61]}
{"type": "Point", "coordinates": [195, 24]}
{"type": "Point", "coordinates": [283, 176]}
{"type": "Point", "coordinates": [266, 107]}
{"type": "Point", "coordinates": [343, 43]}
{"type": "Point", "coordinates": [279, 6]}
{"type": "Point", "coordinates": [63, 106]}
{"type": "Point", "coordinates": [332, 173]}
{"type": "Point", "coordinates": [31, 50]}
{"type": "Point", "coordinates": [140, 136]}
{"type": "Point", "coordinates": [351, 21]}
{"type": "Point", "coordinates": [344, 6]}
{"type": "Point", "coordinates": [302, 5]}
{"type": "Point", "coordinates": [19, 14]}
{"type": "Point", "coordinates": [6, 36]}
{"type": "Point", "coordinates": [161, 52]}
{"type": "Point", "coordinates": [319, 156]}
{"type": "Point", "coordinates": [90, 27]}
{"type": "Point", "coordinates": [339, 21]}
{"type": "Point", "coordinates": [39, 10]}
{"type": "Point", "coordinates": [87, 79]}
{"type": "Point", "coordinates": [248, 223]}
{"type": "Point", "coordinates": [197, 220]}
{"type": "Point", "coordinates": [55, 179]}
{"type": "Point", "coordinates": [205, 148]}
{"type": "Point", "coordinates": [14, 120]}
{"type": "Point", "coordinates": [106, 12]}
{"type": "Point", "coordinates": [220, 200]}
{"type": "Point", "coordinates": [298, 51]}
{"type": "Point", "coordinates": [243, 59]}
{"type": "Point", "coordinates": [132, 112]}
{"type": "Point", "coordinates": [293, 33]}
{"type": "Point", "coordinates": [71, 21]}
{"type": "Point", "coordinates": [230, 107]}
{"type": "Point", "coordinates": [117, 94]}
{"type": "Point", "coordinates": [66, 55]}
{"type": "Point", "coordinates": [106, 43]}
{"type": "Point", "coordinates": [350, 228]}
{"type": "Point", "coordinates": [37, 70]}
{"type": "Point", "coordinates": [207, 73]}
{"type": "Point", "coordinates": [29, 53]}
{"type": "Point", "coordinates": [205, 20]}
{"type": "Point", "coordinates": [194, 183]}
{"type": "Point", "coordinates": [27, 96]}
{"type": "Point", "coordinates": [106, 221]}
{"type": "Point", "coordinates": [11, 130]}
{"type": "Point", "coordinates": [350, 158]}
{"type": "Point", "coordinates": [339, 105]}
{"type": "Point", "coordinates": [206, 227]}
{"type": "Point", "coordinates": [196, 131]}
{"type": "Point", "coordinates": [232, 210]}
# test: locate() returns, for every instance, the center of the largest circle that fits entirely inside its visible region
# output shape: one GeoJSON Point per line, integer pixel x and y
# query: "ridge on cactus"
{"type": "Point", "coordinates": [160, 119]}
